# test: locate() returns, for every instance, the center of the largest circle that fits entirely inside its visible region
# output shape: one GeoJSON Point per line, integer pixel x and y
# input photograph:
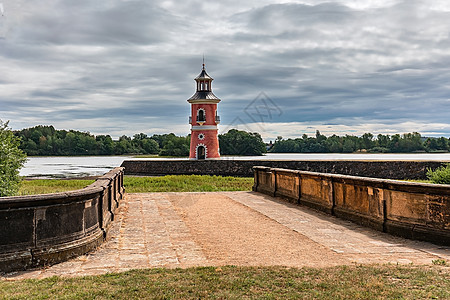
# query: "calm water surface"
{"type": "Point", "coordinates": [79, 166]}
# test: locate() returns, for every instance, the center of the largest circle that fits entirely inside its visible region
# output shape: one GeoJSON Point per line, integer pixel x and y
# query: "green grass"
{"type": "Point", "coordinates": [418, 180]}
{"type": "Point", "coordinates": [230, 282]}
{"type": "Point", "coordinates": [187, 183]}
{"type": "Point", "coordinates": [45, 186]}
{"type": "Point", "coordinates": [170, 183]}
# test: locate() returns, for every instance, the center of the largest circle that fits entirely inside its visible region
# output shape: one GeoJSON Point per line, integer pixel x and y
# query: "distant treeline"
{"type": "Point", "coordinates": [46, 140]}
{"type": "Point", "coordinates": [408, 142]}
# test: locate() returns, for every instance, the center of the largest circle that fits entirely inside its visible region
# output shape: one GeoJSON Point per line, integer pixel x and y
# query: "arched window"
{"type": "Point", "coordinates": [201, 115]}
{"type": "Point", "coordinates": [201, 152]}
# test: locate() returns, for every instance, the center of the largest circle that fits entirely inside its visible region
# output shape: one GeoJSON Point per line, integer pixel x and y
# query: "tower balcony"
{"type": "Point", "coordinates": [201, 120]}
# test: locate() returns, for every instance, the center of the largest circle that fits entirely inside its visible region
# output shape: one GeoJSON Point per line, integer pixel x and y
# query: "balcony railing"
{"type": "Point", "coordinates": [217, 119]}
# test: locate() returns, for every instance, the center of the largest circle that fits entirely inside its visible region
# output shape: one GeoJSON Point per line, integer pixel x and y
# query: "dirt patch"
{"type": "Point", "coordinates": [231, 233]}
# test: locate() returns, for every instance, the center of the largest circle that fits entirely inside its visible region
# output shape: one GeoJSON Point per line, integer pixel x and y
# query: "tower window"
{"type": "Point", "coordinates": [201, 115]}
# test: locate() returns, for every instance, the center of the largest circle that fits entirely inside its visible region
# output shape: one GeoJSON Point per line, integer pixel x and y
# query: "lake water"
{"type": "Point", "coordinates": [80, 166]}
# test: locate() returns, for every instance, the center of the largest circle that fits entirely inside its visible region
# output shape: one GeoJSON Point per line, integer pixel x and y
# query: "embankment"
{"type": "Point", "coordinates": [374, 169]}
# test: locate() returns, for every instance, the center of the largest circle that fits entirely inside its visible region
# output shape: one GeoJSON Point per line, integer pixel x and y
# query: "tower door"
{"type": "Point", "coordinates": [200, 152]}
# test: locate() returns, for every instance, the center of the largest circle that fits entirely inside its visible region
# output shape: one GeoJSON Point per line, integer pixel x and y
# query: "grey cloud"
{"type": "Point", "coordinates": [136, 60]}
{"type": "Point", "coordinates": [102, 23]}
{"type": "Point", "coordinates": [277, 16]}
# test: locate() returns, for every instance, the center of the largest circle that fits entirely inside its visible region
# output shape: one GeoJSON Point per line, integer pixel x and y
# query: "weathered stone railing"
{"type": "Point", "coordinates": [44, 229]}
{"type": "Point", "coordinates": [412, 210]}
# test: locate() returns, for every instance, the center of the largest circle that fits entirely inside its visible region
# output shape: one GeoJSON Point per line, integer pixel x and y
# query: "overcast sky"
{"type": "Point", "coordinates": [280, 67]}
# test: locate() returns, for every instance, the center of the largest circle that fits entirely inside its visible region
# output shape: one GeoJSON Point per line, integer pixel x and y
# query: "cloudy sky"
{"type": "Point", "coordinates": [280, 67]}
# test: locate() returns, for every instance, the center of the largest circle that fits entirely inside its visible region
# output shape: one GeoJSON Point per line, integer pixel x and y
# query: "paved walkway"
{"type": "Point", "coordinates": [238, 228]}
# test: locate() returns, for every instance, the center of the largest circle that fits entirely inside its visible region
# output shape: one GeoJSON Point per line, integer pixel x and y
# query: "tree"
{"type": "Point", "coordinates": [367, 141]}
{"type": "Point", "coordinates": [434, 144]}
{"type": "Point", "coordinates": [350, 144]}
{"type": "Point", "coordinates": [383, 141]}
{"type": "Point", "coordinates": [334, 144]}
{"type": "Point", "coordinates": [143, 144]}
{"type": "Point", "coordinates": [105, 144]}
{"type": "Point", "coordinates": [410, 142]}
{"type": "Point", "coordinates": [11, 160]}
{"type": "Point", "coordinates": [175, 145]}
{"type": "Point", "coordinates": [150, 146]}
{"type": "Point", "coordinates": [394, 143]}
{"type": "Point", "coordinates": [442, 143]}
{"type": "Point", "coordinates": [236, 142]}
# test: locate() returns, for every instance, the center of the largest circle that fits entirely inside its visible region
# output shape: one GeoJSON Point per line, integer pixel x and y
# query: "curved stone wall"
{"type": "Point", "coordinates": [413, 210]}
{"type": "Point", "coordinates": [45, 229]}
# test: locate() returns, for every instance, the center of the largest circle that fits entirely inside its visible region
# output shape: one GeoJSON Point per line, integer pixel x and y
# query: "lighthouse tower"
{"type": "Point", "coordinates": [204, 119]}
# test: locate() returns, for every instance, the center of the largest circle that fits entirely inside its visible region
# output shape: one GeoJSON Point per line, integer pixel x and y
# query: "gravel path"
{"type": "Point", "coordinates": [233, 228]}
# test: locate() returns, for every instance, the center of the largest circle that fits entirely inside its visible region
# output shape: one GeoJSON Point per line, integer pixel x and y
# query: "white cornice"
{"type": "Point", "coordinates": [204, 127]}
{"type": "Point", "coordinates": [204, 101]}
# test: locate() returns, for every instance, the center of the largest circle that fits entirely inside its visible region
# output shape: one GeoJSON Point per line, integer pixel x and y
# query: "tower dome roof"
{"type": "Point", "coordinates": [204, 95]}
{"type": "Point", "coordinates": [203, 75]}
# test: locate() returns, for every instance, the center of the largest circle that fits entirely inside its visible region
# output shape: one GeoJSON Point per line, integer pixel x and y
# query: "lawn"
{"type": "Point", "coordinates": [231, 282]}
{"type": "Point", "coordinates": [45, 186]}
{"type": "Point", "coordinates": [187, 183]}
{"type": "Point", "coordinates": [170, 183]}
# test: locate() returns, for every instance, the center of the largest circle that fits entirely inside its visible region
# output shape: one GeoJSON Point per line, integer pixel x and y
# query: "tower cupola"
{"type": "Point", "coordinates": [204, 89]}
{"type": "Point", "coordinates": [204, 81]}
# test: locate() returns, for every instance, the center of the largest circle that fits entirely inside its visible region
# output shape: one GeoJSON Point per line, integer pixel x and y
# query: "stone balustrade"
{"type": "Point", "coordinates": [44, 229]}
{"type": "Point", "coordinates": [413, 210]}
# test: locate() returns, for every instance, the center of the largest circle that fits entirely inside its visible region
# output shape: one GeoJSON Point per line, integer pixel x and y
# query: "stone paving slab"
{"type": "Point", "coordinates": [359, 243]}
{"type": "Point", "coordinates": [184, 229]}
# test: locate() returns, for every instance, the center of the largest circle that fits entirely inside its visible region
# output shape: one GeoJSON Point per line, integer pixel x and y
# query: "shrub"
{"type": "Point", "coordinates": [379, 150]}
{"type": "Point", "coordinates": [11, 160]}
{"type": "Point", "coordinates": [441, 175]}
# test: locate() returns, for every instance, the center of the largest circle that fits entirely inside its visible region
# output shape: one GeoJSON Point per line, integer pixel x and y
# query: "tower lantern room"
{"type": "Point", "coordinates": [204, 119]}
{"type": "Point", "coordinates": [203, 81]}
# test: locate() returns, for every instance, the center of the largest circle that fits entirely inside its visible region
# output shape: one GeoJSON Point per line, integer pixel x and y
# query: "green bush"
{"type": "Point", "coordinates": [11, 160]}
{"type": "Point", "coordinates": [441, 175]}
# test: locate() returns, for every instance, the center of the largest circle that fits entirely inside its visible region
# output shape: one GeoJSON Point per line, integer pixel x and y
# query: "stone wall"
{"type": "Point", "coordinates": [45, 229]}
{"type": "Point", "coordinates": [374, 169]}
{"type": "Point", "coordinates": [412, 210]}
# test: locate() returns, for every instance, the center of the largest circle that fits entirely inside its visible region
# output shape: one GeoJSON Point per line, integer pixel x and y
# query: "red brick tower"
{"type": "Point", "coordinates": [204, 120]}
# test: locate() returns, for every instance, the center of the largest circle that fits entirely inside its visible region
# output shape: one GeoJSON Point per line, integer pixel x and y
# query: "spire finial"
{"type": "Point", "coordinates": [203, 61]}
